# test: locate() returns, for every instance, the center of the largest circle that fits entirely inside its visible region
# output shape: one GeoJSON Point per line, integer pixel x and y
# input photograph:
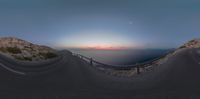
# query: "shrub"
{"type": "Point", "coordinates": [48, 55]}
{"type": "Point", "coordinates": [13, 50]}
{"type": "Point", "coordinates": [34, 56]}
{"type": "Point", "coordinates": [2, 49]}
{"type": "Point", "coordinates": [22, 58]}
{"type": "Point", "coordinates": [28, 58]}
{"type": "Point", "coordinates": [182, 47]}
{"type": "Point", "coordinates": [18, 58]}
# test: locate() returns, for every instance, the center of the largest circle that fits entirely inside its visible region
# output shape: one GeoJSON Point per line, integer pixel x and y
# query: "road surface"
{"type": "Point", "coordinates": [72, 78]}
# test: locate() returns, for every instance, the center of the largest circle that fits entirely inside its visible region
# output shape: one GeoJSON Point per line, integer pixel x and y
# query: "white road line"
{"type": "Point", "coordinates": [12, 70]}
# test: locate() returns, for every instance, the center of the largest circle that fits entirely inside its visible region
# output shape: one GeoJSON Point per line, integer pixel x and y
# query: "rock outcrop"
{"type": "Point", "coordinates": [192, 44]}
{"type": "Point", "coordinates": [25, 51]}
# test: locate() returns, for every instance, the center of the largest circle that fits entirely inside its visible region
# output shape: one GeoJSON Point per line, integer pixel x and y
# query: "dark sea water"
{"type": "Point", "coordinates": [123, 57]}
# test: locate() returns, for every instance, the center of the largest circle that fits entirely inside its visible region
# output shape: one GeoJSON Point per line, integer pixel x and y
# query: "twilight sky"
{"type": "Point", "coordinates": [102, 23]}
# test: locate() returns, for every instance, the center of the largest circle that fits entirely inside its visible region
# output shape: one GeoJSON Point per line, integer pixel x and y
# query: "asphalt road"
{"type": "Point", "coordinates": [72, 78]}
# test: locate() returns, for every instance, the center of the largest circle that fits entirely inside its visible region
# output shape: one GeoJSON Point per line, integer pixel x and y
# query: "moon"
{"type": "Point", "coordinates": [130, 22]}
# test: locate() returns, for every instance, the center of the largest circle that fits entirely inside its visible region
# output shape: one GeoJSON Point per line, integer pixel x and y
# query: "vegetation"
{"type": "Point", "coordinates": [13, 50]}
{"type": "Point", "coordinates": [18, 58]}
{"type": "Point", "coordinates": [48, 55]}
{"type": "Point", "coordinates": [25, 51]}
{"type": "Point", "coordinates": [191, 41]}
{"type": "Point", "coordinates": [23, 58]}
{"type": "Point", "coordinates": [28, 58]}
{"type": "Point", "coordinates": [29, 48]}
{"type": "Point", "coordinates": [182, 46]}
{"type": "Point", "coordinates": [2, 49]}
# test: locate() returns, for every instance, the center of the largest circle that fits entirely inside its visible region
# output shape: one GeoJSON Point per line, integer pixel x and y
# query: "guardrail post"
{"type": "Point", "coordinates": [91, 61]}
{"type": "Point", "coordinates": [81, 57]}
{"type": "Point", "coordinates": [138, 69]}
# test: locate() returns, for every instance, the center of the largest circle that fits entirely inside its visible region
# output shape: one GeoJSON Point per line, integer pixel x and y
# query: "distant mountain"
{"type": "Point", "coordinates": [25, 51]}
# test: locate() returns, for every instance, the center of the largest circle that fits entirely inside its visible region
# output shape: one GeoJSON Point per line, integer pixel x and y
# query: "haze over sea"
{"type": "Point", "coordinates": [122, 57]}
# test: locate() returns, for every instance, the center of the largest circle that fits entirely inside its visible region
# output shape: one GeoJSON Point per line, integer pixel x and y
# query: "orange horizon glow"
{"type": "Point", "coordinates": [104, 47]}
{"type": "Point", "coordinates": [98, 40]}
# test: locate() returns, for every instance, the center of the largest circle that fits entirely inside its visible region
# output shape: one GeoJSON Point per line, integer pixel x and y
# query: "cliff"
{"type": "Point", "coordinates": [25, 51]}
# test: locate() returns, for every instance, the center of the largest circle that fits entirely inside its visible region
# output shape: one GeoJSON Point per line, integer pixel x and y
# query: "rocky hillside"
{"type": "Point", "coordinates": [192, 44]}
{"type": "Point", "coordinates": [195, 43]}
{"type": "Point", "coordinates": [25, 51]}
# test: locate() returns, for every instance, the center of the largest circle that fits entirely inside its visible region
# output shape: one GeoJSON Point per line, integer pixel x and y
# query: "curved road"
{"type": "Point", "coordinates": [72, 78]}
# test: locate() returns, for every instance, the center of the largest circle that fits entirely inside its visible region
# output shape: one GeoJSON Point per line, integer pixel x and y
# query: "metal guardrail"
{"type": "Point", "coordinates": [95, 63]}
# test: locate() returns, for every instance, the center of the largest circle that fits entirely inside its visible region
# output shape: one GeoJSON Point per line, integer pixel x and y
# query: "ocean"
{"type": "Point", "coordinates": [123, 57]}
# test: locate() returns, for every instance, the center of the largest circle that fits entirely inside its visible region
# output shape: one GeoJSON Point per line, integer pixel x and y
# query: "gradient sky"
{"type": "Point", "coordinates": [102, 23]}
